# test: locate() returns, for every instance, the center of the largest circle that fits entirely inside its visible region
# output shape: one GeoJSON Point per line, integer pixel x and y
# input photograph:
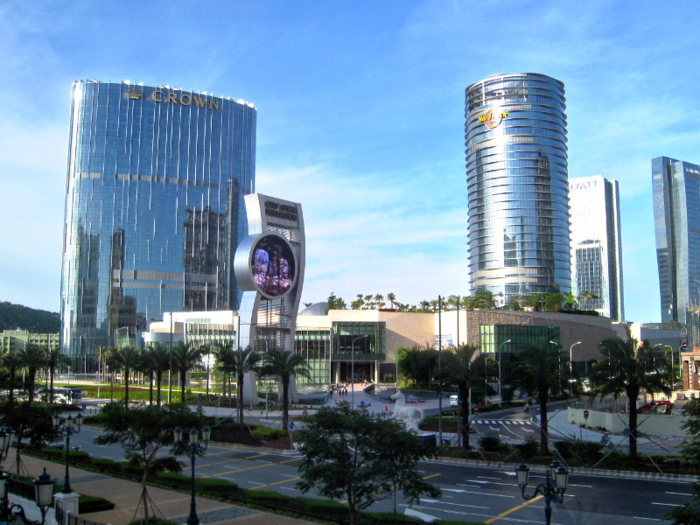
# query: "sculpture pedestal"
{"type": "Point", "coordinates": [68, 503]}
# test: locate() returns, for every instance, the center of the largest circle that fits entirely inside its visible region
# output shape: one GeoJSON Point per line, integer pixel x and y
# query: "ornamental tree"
{"type": "Point", "coordinates": [350, 455]}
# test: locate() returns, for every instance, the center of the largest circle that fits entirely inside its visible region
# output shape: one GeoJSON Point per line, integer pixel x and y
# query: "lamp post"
{"type": "Point", "coordinates": [43, 497]}
{"type": "Point", "coordinates": [500, 377]}
{"type": "Point", "coordinates": [352, 373]}
{"type": "Point", "coordinates": [556, 480]}
{"type": "Point", "coordinates": [571, 362]}
{"type": "Point", "coordinates": [66, 427]}
{"type": "Point", "coordinates": [192, 448]}
{"type": "Point", "coordinates": [6, 435]}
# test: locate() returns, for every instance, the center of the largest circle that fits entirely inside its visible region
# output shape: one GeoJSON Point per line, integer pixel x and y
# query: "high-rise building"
{"type": "Point", "coordinates": [596, 253]}
{"type": "Point", "coordinates": [519, 239]}
{"type": "Point", "coordinates": [154, 207]}
{"type": "Point", "coordinates": [676, 186]}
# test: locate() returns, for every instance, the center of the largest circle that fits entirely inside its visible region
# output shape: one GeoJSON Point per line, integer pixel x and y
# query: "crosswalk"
{"type": "Point", "coordinates": [501, 422]}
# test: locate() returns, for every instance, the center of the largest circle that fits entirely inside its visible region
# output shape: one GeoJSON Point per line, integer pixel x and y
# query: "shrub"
{"type": "Point", "coordinates": [529, 449]}
{"type": "Point", "coordinates": [87, 504]}
{"type": "Point", "coordinates": [217, 487]}
{"type": "Point", "coordinates": [490, 443]}
{"type": "Point", "coordinates": [106, 465]}
{"type": "Point", "coordinates": [267, 434]}
{"type": "Point", "coordinates": [565, 449]}
{"type": "Point", "coordinates": [174, 480]}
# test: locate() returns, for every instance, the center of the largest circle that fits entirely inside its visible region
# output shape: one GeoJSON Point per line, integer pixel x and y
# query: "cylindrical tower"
{"type": "Point", "coordinates": [516, 156]}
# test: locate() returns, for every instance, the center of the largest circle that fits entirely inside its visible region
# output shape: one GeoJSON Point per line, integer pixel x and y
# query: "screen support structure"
{"type": "Point", "coordinates": [267, 314]}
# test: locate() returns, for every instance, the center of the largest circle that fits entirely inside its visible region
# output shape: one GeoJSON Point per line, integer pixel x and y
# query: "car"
{"type": "Point", "coordinates": [454, 400]}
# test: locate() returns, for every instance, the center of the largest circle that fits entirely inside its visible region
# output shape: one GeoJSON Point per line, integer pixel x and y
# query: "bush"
{"type": "Point", "coordinates": [87, 504]}
{"type": "Point", "coordinates": [216, 487]}
{"type": "Point", "coordinates": [173, 480]}
{"type": "Point", "coordinates": [490, 443]}
{"type": "Point", "coordinates": [268, 434]}
{"type": "Point", "coordinates": [106, 465]}
{"type": "Point", "coordinates": [529, 449]}
{"type": "Point", "coordinates": [565, 449]}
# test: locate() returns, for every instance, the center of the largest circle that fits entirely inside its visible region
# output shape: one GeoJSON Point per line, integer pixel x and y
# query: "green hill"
{"type": "Point", "coordinates": [13, 316]}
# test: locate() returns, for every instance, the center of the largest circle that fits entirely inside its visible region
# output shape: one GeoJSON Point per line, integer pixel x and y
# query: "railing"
{"type": "Point", "coordinates": [21, 488]}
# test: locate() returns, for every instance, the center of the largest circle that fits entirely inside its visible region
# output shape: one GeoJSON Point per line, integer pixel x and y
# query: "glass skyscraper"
{"type": "Point", "coordinates": [154, 207]}
{"type": "Point", "coordinates": [596, 252]}
{"type": "Point", "coordinates": [519, 239]}
{"type": "Point", "coordinates": [676, 186]}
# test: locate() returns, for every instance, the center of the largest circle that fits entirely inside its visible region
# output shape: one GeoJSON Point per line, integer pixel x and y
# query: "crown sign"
{"type": "Point", "coordinates": [134, 93]}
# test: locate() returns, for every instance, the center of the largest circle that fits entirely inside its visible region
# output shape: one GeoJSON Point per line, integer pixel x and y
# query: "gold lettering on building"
{"type": "Point", "coordinates": [184, 99]}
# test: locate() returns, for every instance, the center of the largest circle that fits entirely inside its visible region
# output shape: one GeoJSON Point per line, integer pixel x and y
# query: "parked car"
{"type": "Point", "coordinates": [454, 400]}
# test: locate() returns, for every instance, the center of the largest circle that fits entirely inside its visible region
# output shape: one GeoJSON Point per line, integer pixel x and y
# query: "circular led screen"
{"type": "Point", "coordinates": [273, 266]}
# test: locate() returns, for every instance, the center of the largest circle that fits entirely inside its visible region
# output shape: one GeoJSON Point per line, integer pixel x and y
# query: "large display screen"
{"type": "Point", "coordinates": [273, 266]}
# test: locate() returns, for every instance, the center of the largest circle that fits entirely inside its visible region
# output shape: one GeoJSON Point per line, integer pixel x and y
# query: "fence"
{"type": "Point", "coordinates": [70, 519]}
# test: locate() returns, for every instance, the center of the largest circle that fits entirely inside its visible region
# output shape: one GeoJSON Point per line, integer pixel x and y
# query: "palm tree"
{"type": "Point", "coordinates": [392, 298]}
{"type": "Point", "coordinates": [464, 371]}
{"type": "Point", "coordinates": [185, 358]}
{"type": "Point", "coordinates": [113, 364]}
{"type": "Point", "coordinates": [11, 360]}
{"type": "Point", "coordinates": [158, 357]}
{"type": "Point", "coordinates": [284, 365]}
{"type": "Point", "coordinates": [127, 358]}
{"type": "Point", "coordinates": [32, 358]}
{"type": "Point", "coordinates": [53, 360]}
{"type": "Point", "coordinates": [242, 362]}
{"type": "Point", "coordinates": [539, 370]}
{"type": "Point", "coordinates": [628, 368]}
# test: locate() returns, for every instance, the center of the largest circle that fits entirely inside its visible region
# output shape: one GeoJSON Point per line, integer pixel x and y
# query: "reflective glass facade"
{"type": "Point", "coordinates": [493, 338]}
{"type": "Point", "coordinates": [596, 252]}
{"type": "Point", "coordinates": [676, 190]}
{"type": "Point", "coordinates": [154, 207]}
{"type": "Point", "coordinates": [519, 239]}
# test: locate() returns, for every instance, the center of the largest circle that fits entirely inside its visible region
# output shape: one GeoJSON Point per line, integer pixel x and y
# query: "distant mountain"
{"type": "Point", "coordinates": [13, 316]}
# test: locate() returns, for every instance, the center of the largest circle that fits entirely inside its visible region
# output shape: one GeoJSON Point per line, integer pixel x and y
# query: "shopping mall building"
{"type": "Point", "coordinates": [331, 341]}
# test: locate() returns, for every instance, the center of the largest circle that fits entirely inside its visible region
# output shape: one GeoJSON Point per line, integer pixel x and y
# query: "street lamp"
{"type": "Point", "coordinates": [500, 377]}
{"type": "Point", "coordinates": [66, 427]}
{"type": "Point", "coordinates": [556, 480]}
{"type": "Point", "coordinates": [43, 497]}
{"type": "Point", "coordinates": [352, 346]}
{"type": "Point", "coordinates": [6, 436]}
{"type": "Point", "coordinates": [192, 448]}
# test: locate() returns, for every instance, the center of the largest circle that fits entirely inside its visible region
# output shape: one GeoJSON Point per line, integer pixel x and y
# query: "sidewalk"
{"type": "Point", "coordinates": [175, 506]}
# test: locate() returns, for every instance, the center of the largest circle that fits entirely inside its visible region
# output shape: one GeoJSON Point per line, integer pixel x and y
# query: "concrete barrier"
{"type": "Point", "coordinates": [617, 422]}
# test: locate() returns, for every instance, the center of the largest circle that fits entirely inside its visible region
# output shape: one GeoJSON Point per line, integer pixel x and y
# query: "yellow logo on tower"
{"type": "Point", "coordinates": [492, 118]}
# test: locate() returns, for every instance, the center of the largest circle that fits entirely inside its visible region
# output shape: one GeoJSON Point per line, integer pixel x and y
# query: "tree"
{"type": "Point", "coordinates": [283, 365]}
{"type": "Point", "coordinates": [391, 297]}
{"type": "Point", "coordinates": [127, 358]}
{"type": "Point", "coordinates": [12, 361]}
{"type": "Point", "coordinates": [32, 358]}
{"type": "Point", "coordinates": [539, 370]}
{"type": "Point", "coordinates": [142, 433]}
{"type": "Point", "coordinates": [348, 454]}
{"type": "Point", "coordinates": [29, 422]}
{"type": "Point", "coordinates": [417, 365]}
{"type": "Point", "coordinates": [553, 302]}
{"type": "Point", "coordinates": [689, 514]}
{"type": "Point", "coordinates": [185, 358]}
{"type": "Point", "coordinates": [53, 359]}
{"type": "Point", "coordinates": [464, 370]}
{"type": "Point", "coordinates": [243, 361]}
{"type": "Point", "coordinates": [628, 368]}
{"type": "Point", "coordinates": [157, 358]}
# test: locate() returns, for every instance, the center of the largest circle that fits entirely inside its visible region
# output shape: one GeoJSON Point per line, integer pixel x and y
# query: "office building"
{"type": "Point", "coordinates": [154, 207]}
{"type": "Point", "coordinates": [519, 240]}
{"type": "Point", "coordinates": [596, 253]}
{"type": "Point", "coordinates": [676, 187]}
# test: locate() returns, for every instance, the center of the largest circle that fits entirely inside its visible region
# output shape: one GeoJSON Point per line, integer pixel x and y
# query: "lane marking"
{"type": "Point", "coordinates": [276, 483]}
{"type": "Point", "coordinates": [504, 514]}
{"type": "Point", "coordinates": [251, 468]}
{"type": "Point", "coordinates": [679, 493]}
{"type": "Point", "coordinates": [666, 504]}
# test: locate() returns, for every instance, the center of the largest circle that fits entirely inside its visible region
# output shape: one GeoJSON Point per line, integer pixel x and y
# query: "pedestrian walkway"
{"type": "Point", "coordinates": [174, 506]}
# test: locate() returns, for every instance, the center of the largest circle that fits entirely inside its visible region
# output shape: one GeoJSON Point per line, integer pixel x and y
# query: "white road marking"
{"type": "Point", "coordinates": [666, 504]}
{"type": "Point", "coordinates": [679, 493]}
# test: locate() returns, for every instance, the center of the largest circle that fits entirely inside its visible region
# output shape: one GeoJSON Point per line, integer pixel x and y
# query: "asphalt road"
{"type": "Point", "coordinates": [469, 493]}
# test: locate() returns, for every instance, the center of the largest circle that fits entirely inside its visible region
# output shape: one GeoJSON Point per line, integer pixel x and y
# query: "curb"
{"type": "Point", "coordinates": [625, 474]}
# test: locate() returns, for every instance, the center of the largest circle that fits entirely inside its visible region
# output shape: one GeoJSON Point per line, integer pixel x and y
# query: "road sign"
{"type": "Point", "coordinates": [586, 414]}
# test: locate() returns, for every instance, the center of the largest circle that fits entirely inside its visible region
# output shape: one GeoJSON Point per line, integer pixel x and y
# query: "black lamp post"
{"type": "Point", "coordinates": [193, 448]}
{"type": "Point", "coordinates": [6, 436]}
{"type": "Point", "coordinates": [43, 498]}
{"type": "Point", "coordinates": [66, 427]}
{"type": "Point", "coordinates": [557, 478]}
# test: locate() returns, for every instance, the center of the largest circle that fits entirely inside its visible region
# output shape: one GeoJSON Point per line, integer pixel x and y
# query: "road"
{"type": "Point", "coordinates": [469, 492]}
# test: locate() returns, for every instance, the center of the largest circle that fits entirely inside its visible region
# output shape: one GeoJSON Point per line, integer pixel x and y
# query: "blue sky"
{"type": "Point", "coordinates": [360, 118]}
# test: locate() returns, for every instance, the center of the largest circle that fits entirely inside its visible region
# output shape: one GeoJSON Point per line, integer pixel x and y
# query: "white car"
{"type": "Point", "coordinates": [454, 400]}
